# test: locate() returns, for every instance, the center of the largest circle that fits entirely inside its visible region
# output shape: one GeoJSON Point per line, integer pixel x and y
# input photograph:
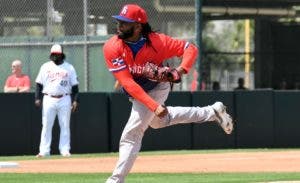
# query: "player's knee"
{"type": "Point", "coordinates": [155, 126]}
{"type": "Point", "coordinates": [132, 135]}
{"type": "Point", "coordinates": [159, 123]}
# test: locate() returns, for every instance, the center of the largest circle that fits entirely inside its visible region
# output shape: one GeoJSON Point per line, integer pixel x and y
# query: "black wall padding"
{"type": "Point", "coordinates": [35, 126]}
{"type": "Point", "coordinates": [254, 116]}
{"type": "Point", "coordinates": [15, 124]}
{"type": "Point", "coordinates": [286, 119]}
{"type": "Point", "coordinates": [263, 119]}
{"type": "Point", "coordinates": [209, 135]}
{"type": "Point", "coordinates": [171, 137]}
{"type": "Point", "coordinates": [90, 131]}
{"type": "Point", "coordinates": [119, 110]}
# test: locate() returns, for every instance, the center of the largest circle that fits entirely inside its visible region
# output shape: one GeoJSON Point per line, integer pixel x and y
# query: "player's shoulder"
{"type": "Point", "coordinates": [164, 39]}
{"type": "Point", "coordinates": [158, 36]}
{"type": "Point", "coordinates": [159, 39]}
{"type": "Point", "coordinates": [46, 64]}
{"type": "Point", "coordinates": [113, 42]}
{"type": "Point", "coordinates": [113, 47]}
{"type": "Point", "coordinates": [67, 64]}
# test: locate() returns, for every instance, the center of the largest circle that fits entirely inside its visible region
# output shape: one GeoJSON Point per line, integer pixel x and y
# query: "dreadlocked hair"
{"type": "Point", "coordinates": [146, 30]}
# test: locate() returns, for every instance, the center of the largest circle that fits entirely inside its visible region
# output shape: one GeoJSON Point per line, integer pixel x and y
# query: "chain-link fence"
{"type": "Point", "coordinates": [29, 28]}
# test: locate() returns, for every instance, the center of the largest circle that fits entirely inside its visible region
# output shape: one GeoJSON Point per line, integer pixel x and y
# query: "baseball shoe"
{"type": "Point", "coordinates": [222, 117]}
{"type": "Point", "coordinates": [41, 155]}
{"type": "Point", "coordinates": [66, 154]}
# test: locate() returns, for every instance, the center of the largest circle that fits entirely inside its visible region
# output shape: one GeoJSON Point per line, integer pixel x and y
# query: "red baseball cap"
{"type": "Point", "coordinates": [132, 13]}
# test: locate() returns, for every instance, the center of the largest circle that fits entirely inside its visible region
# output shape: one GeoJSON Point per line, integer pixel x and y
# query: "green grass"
{"type": "Point", "coordinates": [150, 178]}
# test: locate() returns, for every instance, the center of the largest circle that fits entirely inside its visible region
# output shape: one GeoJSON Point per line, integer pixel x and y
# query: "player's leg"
{"type": "Point", "coordinates": [179, 115]}
{"type": "Point", "coordinates": [48, 117]}
{"type": "Point", "coordinates": [216, 112]}
{"type": "Point", "coordinates": [130, 142]}
{"type": "Point", "coordinates": [64, 115]}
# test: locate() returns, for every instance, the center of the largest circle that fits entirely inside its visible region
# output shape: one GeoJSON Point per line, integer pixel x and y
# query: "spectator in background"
{"type": "Point", "coordinates": [17, 82]}
{"type": "Point", "coordinates": [297, 86]}
{"type": "Point", "coordinates": [216, 86]}
{"type": "Point", "coordinates": [283, 85]}
{"type": "Point", "coordinates": [241, 85]}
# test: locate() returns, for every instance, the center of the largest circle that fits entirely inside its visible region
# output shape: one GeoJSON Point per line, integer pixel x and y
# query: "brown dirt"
{"type": "Point", "coordinates": [279, 161]}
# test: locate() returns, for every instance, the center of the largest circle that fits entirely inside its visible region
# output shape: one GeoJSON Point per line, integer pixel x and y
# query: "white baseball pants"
{"type": "Point", "coordinates": [141, 118]}
{"type": "Point", "coordinates": [62, 108]}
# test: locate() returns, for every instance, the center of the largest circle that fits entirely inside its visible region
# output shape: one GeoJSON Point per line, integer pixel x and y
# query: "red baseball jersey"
{"type": "Point", "coordinates": [119, 58]}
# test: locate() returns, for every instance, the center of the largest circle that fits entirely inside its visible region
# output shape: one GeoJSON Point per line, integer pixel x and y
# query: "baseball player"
{"type": "Point", "coordinates": [135, 57]}
{"type": "Point", "coordinates": [57, 83]}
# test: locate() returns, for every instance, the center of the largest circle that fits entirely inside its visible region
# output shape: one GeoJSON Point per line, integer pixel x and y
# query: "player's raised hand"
{"type": "Point", "coordinates": [161, 111]}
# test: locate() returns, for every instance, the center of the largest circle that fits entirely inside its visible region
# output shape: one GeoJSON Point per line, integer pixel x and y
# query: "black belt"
{"type": "Point", "coordinates": [55, 96]}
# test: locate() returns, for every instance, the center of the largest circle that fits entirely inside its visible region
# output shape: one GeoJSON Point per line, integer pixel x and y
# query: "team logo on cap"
{"type": "Point", "coordinates": [124, 10]}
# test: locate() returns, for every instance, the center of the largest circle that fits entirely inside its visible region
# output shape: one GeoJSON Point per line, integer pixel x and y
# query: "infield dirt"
{"type": "Point", "coordinates": [279, 161]}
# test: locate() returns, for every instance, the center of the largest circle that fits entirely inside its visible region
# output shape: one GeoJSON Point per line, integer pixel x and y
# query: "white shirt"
{"type": "Point", "coordinates": [57, 79]}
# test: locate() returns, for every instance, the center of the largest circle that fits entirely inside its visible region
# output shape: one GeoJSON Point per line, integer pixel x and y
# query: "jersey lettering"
{"type": "Point", "coordinates": [57, 75]}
